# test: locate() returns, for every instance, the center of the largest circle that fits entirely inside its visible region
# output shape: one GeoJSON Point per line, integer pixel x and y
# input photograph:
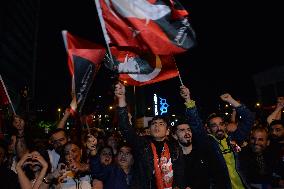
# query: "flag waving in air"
{"type": "Point", "coordinates": [84, 60]}
{"type": "Point", "coordinates": [138, 68]}
{"type": "Point", "coordinates": [157, 26]}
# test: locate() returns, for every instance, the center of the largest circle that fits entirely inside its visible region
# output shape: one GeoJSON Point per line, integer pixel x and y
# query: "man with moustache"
{"type": "Point", "coordinates": [277, 144]}
{"type": "Point", "coordinates": [257, 159]}
{"type": "Point", "coordinates": [220, 141]}
{"type": "Point", "coordinates": [200, 168]}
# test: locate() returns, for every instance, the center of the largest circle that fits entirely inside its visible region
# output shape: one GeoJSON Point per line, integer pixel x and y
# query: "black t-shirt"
{"type": "Point", "coordinates": [196, 170]}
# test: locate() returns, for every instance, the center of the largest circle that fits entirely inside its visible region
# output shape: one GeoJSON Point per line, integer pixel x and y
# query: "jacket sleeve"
{"type": "Point", "coordinates": [195, 123]}
{"type": "Point", "coordinates": [127, 130]}
{"type": "Point", "coordinates": [245, 124]}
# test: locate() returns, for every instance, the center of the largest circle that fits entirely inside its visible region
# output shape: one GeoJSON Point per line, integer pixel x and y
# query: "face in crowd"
{"type": "Point", "coordinates": [277, 132]}
{"type": "Point", "coordinates": [159, 129]}
{"type": "Point", "coordinates": [72, 153]}
{"type": "Point", "coordinates": [91, 142]}
{"type": "Point", "coordinates": [106, 156]}
{"type": "Point", "coordinates": [125, 157]}
{"type": "Point", "coordinates": [184, 135]}
{"type": "Point", "coordinates": [18, 122]}
{"type": "Point", "coordinates": [259, 140]}
{"type": "Point", "coordinates": [58, 140]}
{"type": "Point", "coordinates": [217, 127]}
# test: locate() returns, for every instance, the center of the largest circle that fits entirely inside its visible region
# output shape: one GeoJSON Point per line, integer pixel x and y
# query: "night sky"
{"type": "Point", "coordinates": [235, 40]}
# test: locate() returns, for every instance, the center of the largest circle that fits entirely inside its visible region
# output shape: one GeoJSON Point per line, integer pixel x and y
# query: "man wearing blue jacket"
{"type": "Point", "coordinates": [222, 142]}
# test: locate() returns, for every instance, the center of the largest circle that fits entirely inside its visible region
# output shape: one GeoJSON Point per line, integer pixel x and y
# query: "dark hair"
{"type": "Point", "coordinates": [177, 122]}
{"type": "Point", "coordinates": [276, 122]}
{"type": "Point", "coordinates": [52, 132]}
{"type": "Point", "coordinates": [124, 144]}
{"type": "Point", "coordinates": [162, 117]}
{"type": "Point", "coordinates": [214, 115]}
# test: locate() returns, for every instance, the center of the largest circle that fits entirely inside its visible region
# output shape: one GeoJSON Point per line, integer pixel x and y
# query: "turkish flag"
{"type": "Point", "coordinates": [138, 68]}
{"type": "Point", "coordinates": [159, 26]}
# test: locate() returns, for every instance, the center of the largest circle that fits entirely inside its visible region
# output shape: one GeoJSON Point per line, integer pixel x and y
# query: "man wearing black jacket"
{"type": "Point", "coordinates": [158, 161]}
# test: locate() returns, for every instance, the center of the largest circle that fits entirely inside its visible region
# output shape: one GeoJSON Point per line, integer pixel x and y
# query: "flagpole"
{"type": "Point", "coordinates": [102, 22]}
{"type": "Point", "coordinates": [6, 92]}
{"type": "Point", "coordinates": [180, 80]}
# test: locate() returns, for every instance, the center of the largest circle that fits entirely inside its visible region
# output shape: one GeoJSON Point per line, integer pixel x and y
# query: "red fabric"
{"type": "Point", "coordinates": [83, 48]}
{"type": "Point", "coordinates": [149, 35]}
{"type": "Point", "coordinates": [163, 67]}
{"type": "Point", "coordinates": [163, 167]}
{"type": "Point", "coordinates": [3, 96]}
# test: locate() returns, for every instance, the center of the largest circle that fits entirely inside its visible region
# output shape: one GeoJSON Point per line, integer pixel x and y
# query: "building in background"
{"type": "Point", "coordinates": [269, 84]}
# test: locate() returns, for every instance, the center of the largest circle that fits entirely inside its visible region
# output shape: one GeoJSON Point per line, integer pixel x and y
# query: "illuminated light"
{"type": "Point", "coordinates": [110, 107]}
{"type": "Point", "coordinates": [226, 113]}
{"type": "Point", "coordinates": [67, 123]}
{"type": "Point", "coordinates": [124, 82]}
{"type": "Point", "coordinates": [172, 123]}
{"type": "Point", "coordinates": [100, 116]}
{"type": "Point", "coordinates": [164, 105]}
{"type": "Point", "coordinates": [59, 109]}
{"type": "Point", "coordinates": [176, 120]}
{"type": "Point", "coordinates": [226, 105]}
{"type": "Point", "coordinates": [149, 108]}
{"type": "Point", "coordinates": [173, 115]}
{"type": "Point", "coordinates": [100, 96]}
{"type": "Point", "coordinates": [257, 104]}
{"type": "Point", "coordinates": [94, 116]}
{"type": "Point", "coordinates": [156, 112]}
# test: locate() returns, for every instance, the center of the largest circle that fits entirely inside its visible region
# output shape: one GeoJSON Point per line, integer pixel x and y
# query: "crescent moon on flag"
{"type": "Point", "coordinates": [150, 76]}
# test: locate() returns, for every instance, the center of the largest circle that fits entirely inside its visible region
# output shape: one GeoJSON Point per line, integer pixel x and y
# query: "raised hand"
{"type": "Point", "coordinates": [184, 92]}
{"type": "Point", "coordinates": [23, 160]}
{"type": "Point", "coordinates": [229, 99]}
{"type": "Point", "coordinates": [119, 92]}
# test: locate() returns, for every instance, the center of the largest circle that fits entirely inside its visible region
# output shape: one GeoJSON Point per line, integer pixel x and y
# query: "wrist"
{"type": "Point", "coordinates": [190, 104]}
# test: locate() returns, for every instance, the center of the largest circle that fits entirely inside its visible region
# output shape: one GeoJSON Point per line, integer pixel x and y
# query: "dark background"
{"type": "Point", "coordinates": [236, 39]}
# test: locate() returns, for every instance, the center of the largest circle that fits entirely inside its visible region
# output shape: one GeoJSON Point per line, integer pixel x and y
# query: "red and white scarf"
{"type": "Point", "coordinates": [163, 168]}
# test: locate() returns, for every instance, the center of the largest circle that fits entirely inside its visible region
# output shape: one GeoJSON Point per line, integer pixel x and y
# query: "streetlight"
{"type": "Point", "coordinates": [59, 111]}
{"type": "Point", "coordinates": [110, 107]}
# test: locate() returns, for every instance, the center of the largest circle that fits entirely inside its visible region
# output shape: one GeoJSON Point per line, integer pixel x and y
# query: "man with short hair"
{"type": "Point", "coordinates": [159, 164]}
{"type": "Point", "coordinates": [277, 144]}
{"type": "Point", "coordinates": [198, 160]}
{"type": "Point", "coordinates": [220, 141]}
{"type": "Point", "coordinates": [58, 138]}
{"type": "Point", "coordinates": [257, 161]}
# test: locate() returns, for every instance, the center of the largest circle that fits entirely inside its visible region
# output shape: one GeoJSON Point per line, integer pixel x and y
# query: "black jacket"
{"type": "Point", "coordinates": [143, 177]}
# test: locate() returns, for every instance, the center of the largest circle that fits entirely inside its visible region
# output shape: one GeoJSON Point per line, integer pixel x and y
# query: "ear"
{"type": "Point", "coordinates": [168, 132]}
{"type": "Point", "coordinates": [207, 128]}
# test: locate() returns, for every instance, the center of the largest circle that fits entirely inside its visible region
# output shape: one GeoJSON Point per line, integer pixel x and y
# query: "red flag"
{"type": "Point", "coordinates": [84, 60]}
{"type": "Point", "coordinates": [159, 26]}
{"type": "Point", "coordinates": [4, 98]}
{"type": "Point", "coordinates": [143, 68]}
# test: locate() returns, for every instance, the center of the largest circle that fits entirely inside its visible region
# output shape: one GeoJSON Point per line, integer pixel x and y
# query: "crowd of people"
{"type": "Point", "coordinates": [216, 153]}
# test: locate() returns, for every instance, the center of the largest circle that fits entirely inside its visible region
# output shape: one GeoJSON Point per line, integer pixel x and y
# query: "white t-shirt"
{"type": "Point", "coordinates": [72, 183]}
{"type": "Point", "coordinates": [53, 158]}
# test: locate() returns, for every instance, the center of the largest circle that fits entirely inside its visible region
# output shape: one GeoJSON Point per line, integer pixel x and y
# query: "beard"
{"type": "Point", "coordinates": [220, 135]}
{"type": "Point", "coordinates": [185, 144]}
{"type": "Point", "coordinates": [277, 139]}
